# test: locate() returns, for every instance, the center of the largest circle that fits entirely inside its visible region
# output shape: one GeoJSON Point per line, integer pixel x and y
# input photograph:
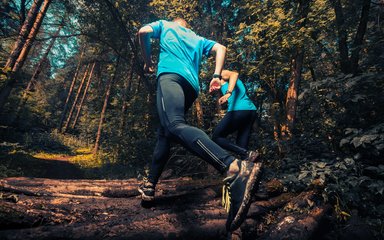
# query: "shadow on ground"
{"type": "Point", "coordinates": [21, 164]}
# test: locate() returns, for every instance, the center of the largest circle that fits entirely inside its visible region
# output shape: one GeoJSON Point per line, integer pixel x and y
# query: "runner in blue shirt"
{"type": "Point", "coordinates": [181, 52]}
{"type": "Point", "coordinates": [240, 116]}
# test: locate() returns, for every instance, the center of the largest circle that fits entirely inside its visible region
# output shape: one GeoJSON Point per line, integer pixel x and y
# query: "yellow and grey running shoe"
{"type": "Point", "coordinates": [237, 192]}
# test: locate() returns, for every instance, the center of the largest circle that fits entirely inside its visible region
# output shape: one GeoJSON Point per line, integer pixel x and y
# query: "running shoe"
{"type": "Point", "coordinates": [147, 191]}
{"type": "Point", "coordinates": [237, 192]}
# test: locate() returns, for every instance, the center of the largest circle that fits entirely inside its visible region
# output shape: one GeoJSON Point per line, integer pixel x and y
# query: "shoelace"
{"type": "Point", "coordinates": [226, 198]}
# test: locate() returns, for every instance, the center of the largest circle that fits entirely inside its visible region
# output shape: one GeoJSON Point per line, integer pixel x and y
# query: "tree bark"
{"type": "Point", "coordinates": [22, 11]}
{"type": "Point", "coordinates": [24, 31]}
{"type": "Point", "coordinates": [84, 96]}
{"type": "Point", "coordinates": [342, 32]}
{"type": "Point", "coordinates": [6, 88]}
{"type": "Point", "coordinates": [199, 113]}
{"type": "Point", "coordinates": [75, 101]}
{"type": "Point", "coordinates": [71, 90]}
{"type": "Point", "coordinates": [35, 75]}
{"type": "Point", "coordinates": [127, 87]}
{"type": "Point", "coordinates": [293, 89]}
{"type": "Point", "coordinates": [350, 64]}
{"type": "Point", "coordinates": [294, 81]}
{"type": "Point", "coordinates": [31, 36]}
{"type": "Point", "coordinates": [102, 115]}
{"type": "Point", "coordinates": [360, 36]}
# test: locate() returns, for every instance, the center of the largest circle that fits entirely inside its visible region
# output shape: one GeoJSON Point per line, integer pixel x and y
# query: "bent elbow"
{"type": "Point", "coordinates": [141, 32]}
{"type": "Point", "coordinates": [145, 30]}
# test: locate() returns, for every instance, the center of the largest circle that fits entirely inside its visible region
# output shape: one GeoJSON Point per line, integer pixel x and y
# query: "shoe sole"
{"type": "Point", "coordinates": [246, 203]}
{"type": "Point", "coordinates": [146, 197]}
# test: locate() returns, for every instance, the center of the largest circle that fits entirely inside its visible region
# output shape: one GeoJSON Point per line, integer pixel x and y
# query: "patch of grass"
{"type": "Point", "coordinates": [87, 160]}
{"type": "Point", "coordinates": [83, 150]}
{"type": "Point", "coordinates": [46, 155]}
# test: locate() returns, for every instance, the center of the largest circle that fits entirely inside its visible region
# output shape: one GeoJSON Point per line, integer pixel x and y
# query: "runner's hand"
{"type": "Point", "coordinates": [214, 85]}
{"type": "Point", "coordinates": [224, 99]}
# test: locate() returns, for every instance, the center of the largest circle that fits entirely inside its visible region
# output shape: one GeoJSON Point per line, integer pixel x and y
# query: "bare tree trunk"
{"type": "Point", "coordinates": [6, 88]}
{"type": "Point", "coordinates": [35, 75]}
{"type": "Point", "coordinates": [278, 126]}
{"type": "Point", "coordinates": [295, 78]}
{"type": "Point", "coordinates": [102, 115]}
{"type": "Point", "coordinates": [31, 36]}
{"type": "Point", "coordinates": [199, 113]}
{"type": "Point", "coordinates": [350, 64]}
{"type": "Point", "coordinates": [71, 90]}
{"type": "Point", "coordinates": [75, 101]}
{"type": "Point", "coordinates": [127, 86]}
{"type": "Point", "coordinates": [342, 41]}
{"type": "Point", "coordinates": [22, 11]}
{"type": "Point", "coordinates": [24, 31]}
{"type": "Point", "coordinates": [293, 89]}
{"type": "Point", "coordinates": [360, 36]}
{"type": "Point", "coordinates": [84, 96]}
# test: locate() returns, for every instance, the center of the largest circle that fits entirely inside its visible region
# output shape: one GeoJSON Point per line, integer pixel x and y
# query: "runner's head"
{"type": "Point", "coordinates": [181, 21]}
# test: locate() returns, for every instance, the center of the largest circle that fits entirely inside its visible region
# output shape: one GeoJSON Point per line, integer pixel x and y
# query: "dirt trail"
{"type": "Point", "coordinates": [61, 208]}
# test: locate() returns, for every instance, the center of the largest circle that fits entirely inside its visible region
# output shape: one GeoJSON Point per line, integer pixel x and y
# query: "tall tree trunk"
{"type": "Point", "coordinates": [277, 123]}
{"type": "Point", "coordinates": [71, 90]}
{"type": "Point", "coordinates": [75, 101]}
{"type": "Point", "coordinates": [22, 11]}
{"type": "Point", "coordinates": [84, 96]}
{"type": "Point", "coordinates": [104, 109]}
{"type": "Point", "coordinates": [342, 33]}
{"type": "Point", "coordinates": [294, 81]}
{"type": "Point", "coordinates": [360, 36]}
{"type": "Point", "coordinates": [23, 34]}
{"type": "Point", "coordinates": [31, 36]}
{"type": "Point", "coordinates": [36, 73]}
{"type": "Point", "coordinates": [199, 113]}
{"type": "Point", "coordinates": [6, 88]}
{"type": "Point", "coordinates": [127, 86]}
{"type": "Point", "coordinates": [39, 66]}
{"type": "Point", "coordinates": [293, 89]}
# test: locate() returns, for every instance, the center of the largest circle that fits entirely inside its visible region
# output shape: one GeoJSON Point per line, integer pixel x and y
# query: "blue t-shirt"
{"type": "Point", "coordinates": [239, 99]}
{"type": "Point", "coordinates": [181, 50]}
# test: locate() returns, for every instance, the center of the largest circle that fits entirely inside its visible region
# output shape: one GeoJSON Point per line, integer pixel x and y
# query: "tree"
{"type": "Point", "coordinates": [71, 88]}
{"type": "Point", "coordinates": [349, 63]}
{"type": "Point", "coordinates": [104, 109]}
{"type": "Point", "coordinates": [23, 34]}
{"type": "Point", "coordinates": [67, 123]}
{"type": "Point", "coordinates": [296, 68]}
{"type": "Point", "coordinates": [84, 96]}
{"type": "Point", "coordinates": [37, 71]}
{"type": "Point", "coordinates": [19, 56]}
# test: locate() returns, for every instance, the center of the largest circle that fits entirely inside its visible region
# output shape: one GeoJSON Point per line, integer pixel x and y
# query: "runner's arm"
{"type": "Point", "coordinates": [145, 33]}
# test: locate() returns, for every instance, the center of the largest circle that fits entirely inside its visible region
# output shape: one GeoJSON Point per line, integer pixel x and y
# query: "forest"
{"type": "Point", "coordinates": [78, 120]}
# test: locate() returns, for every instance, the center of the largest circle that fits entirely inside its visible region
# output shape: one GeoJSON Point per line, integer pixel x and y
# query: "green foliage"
{"type": "Point", "coordinates": [338, 143]}
{"type": "Point", "coordinates": [187, 10]}
{"type": "Point", "coordinates": [371, 140]}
